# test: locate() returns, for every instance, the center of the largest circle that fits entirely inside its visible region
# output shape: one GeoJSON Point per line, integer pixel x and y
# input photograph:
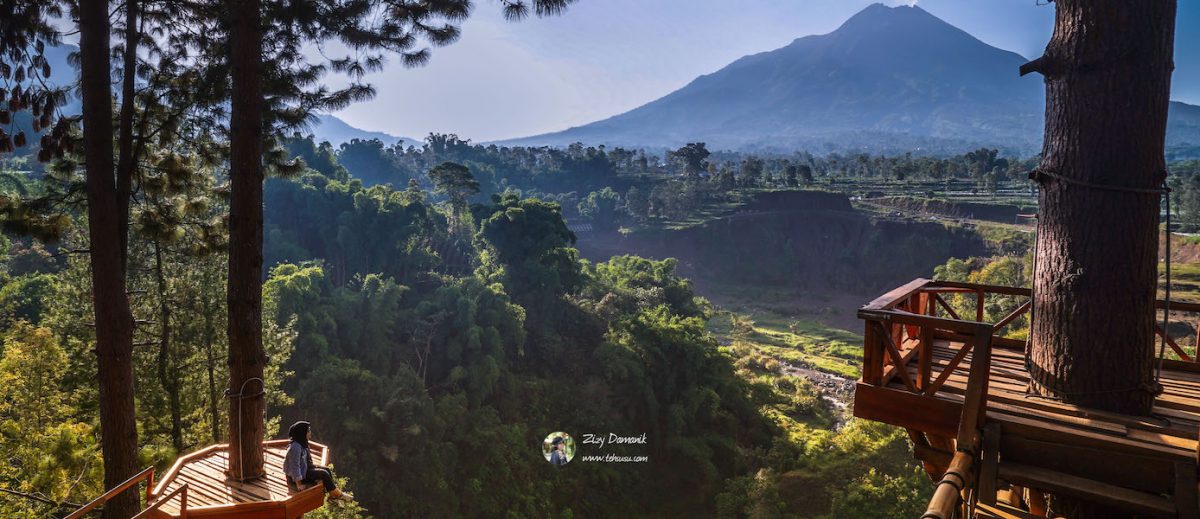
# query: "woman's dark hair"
{"type": "Point", "coordinates": [298, 432]}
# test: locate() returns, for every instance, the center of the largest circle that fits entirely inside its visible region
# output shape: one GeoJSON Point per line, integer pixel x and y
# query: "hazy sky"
{"type": "Point", "coordinates": [604, 57]}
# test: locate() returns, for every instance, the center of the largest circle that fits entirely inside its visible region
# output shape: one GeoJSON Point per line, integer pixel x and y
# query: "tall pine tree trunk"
{"type": "Point", "coordinates": [167, 376]}
{"type": "Point", "coordinates": [1108, 76]}
{"type": "Point", "coordinates": [114, 321]}
{"type": "Point", "coordinates": [210, 333]}
{"type": "Point", "coordinates": [246, 357]}
{"type": "Point", "coordinates": [1108, 70]}
{"type": "Point", "coordinates": [126, 161]}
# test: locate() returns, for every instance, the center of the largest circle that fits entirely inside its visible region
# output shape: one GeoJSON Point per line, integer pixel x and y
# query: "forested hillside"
{"type": "Point", "coordinates": [433, 342]}
{"type": "Point", "coordinates": [435, 321]}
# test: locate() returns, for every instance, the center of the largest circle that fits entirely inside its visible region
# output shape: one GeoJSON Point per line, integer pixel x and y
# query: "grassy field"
{"type": "Point", "coordinates": [1185, 281]}
{"type": "Point", "coordinates": [709, 211]}
{"type": "Point", "coordinates": [803, 343]}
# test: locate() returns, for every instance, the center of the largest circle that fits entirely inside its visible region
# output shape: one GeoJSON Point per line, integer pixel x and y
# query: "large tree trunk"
{"type": "Point", "coordinates": [114, 321]}
{"type": "Point", "coordinates": [126, 161]}
{"type": "Point", "coordinates": [168, 377]}
{"type": "Point", "coordinates": [1108, 70]}
{"type": "Point", "coordinates": [246, 357]}
{"type": "Point", "coordinates": [211, 365]}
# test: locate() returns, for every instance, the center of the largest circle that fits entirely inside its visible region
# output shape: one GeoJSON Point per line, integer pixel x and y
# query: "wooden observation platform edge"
{"type": "Point", "coordinates": [959, 387]}
{"type": "Point", "coordinates": [196, 487]}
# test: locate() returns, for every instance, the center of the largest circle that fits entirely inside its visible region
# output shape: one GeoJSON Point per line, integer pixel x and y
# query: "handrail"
{"type": "Point", "coordinates": [945, 501]}
{"type": "Point", "coordinates": [147, 474]}
{"type": "Point", "coordinates": [995, 289]}
{"type": "Point", "coordinates": [891, 299]}
{"type": "Point", "coordinates": [901, 317]}
{"type": "Point", "coordinates": [948, 495]}
{"type": "Point", "coordinates": [903, 325]}
{"type": "Point", "coordinates": [182, 492]}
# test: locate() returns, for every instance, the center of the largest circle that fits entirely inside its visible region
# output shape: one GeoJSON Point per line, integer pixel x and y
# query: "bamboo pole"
{"type": "Point", "coordinates": [946, 496]}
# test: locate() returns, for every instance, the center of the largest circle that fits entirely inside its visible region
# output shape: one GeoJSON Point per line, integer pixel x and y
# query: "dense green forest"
{"type": "Point", "coordinates": [169, 234]}
{"type": "Point", "coordinates": [433, 343]}
{"type": "Point", "coordinates": [435, 332]}
{"type": "Point", "coordinates": [612, 188]}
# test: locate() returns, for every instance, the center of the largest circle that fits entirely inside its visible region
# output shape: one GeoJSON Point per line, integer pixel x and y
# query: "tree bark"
{"type": "Point", "coordinates": [211, 363]}
{"type": "Point", "coordinates": [1108, 69]}
{"type": "Point", "coordinates": [114, 320]}
{"type": "Point", "coordinates": [167, 376]}
{"type": "Point", "coordinates": [1107, 90]}
{"type": "Point", "coordinates": [126, 161]}
{"type": "Point", "coordinates": [244, 291]}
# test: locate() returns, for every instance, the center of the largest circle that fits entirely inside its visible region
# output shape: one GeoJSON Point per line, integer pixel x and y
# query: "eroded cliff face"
{"type": "Point", "coordinates": [802, 240]}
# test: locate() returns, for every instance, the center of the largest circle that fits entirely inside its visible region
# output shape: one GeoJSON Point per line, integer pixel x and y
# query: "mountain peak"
{"type": "Point", "coordinates": [889, 80]}
{"type": "Point", "coordinates": [903, 18]}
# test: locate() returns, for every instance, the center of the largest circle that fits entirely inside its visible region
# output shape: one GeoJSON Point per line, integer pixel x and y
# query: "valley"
{"type": "Point", "coordinates": [206, 251]}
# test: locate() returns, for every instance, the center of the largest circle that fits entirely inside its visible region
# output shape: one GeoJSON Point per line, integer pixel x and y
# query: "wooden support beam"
{"type": "Point", "coordinates": [1186, 497]}
{"type": "Point", "coordinates": [989, 468]}
{"type": "Point", "coordinates": [145, 475]}
{"type": "Point", "coordinates": [1178, 306]}
{"type": "Point", "coordinates": [1158, 330]}
{"type": "Point", "coordinates": [949, 311]}
{"type": "Point", "coordinates": [898, 360]}
{"type": "Point", "coordinates": [897, 295]}
{"type": "Point", "coordinates": [949, 369]}
{"type": "Point", "coordinates": [1137, 472]}
{"type": "Point", "coordinates": [1111, 495]}
{"type": "Point", "coordinates": [975, 402]}
{"type": "Point", "coordinates": [939, 323]}
{"type": "Point", "coordinates": [181, 492]}
{"type": "Point", "coordinates": [925, 337]}
{"type": "Point", "coordinates": [934, 456]}
{"type": "Point", "coordinates": [1012, 316]}
{"type": "Point", "coordinates": [948, 494]}
{"type": "Point", "coordinates": [995, 289]}
{"type": "Point", "coordinates": [897, 407]}
{"type": "Point", "coordinates": [893, 370]}
{"type": "Point", "coordinates": [872, 372]}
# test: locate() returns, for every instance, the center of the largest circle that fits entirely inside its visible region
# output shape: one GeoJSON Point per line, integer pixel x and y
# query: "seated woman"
{"type": "Point", "coordinates": [299, 468]}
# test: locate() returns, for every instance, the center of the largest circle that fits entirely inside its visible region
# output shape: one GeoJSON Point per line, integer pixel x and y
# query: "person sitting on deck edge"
{"type": "Point", "coordinates": [299, 468]}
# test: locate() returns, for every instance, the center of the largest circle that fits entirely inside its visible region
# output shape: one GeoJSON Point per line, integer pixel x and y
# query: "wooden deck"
{"type": "Point", "coordinates": [211, 494]}
{"type": "Point", "coordinates": [959, 387]}
{"type": "Point", "coordinates": [1170, 431]}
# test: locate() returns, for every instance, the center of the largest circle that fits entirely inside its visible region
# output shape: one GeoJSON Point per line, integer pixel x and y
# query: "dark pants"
{"type": "Point", "coordinates": [322, 474]}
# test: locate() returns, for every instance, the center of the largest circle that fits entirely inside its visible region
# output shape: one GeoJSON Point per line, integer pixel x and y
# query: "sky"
{"type": "Point", "coordinates": [604, 57]}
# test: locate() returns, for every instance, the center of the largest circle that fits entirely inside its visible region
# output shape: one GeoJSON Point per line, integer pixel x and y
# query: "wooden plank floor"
{"type": "Point", "coordinates": [1171, 430]}
{"type": "Point", "coordinates": [208, 486]}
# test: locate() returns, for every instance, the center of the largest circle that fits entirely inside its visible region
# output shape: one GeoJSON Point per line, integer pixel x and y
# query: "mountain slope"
{"type": "Point", "coordinates": [890, 79]}
{"type": "Point", "coordinates": [336, 131]}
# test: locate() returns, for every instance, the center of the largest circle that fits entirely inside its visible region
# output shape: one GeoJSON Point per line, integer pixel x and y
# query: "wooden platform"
{"type": "Point", "coordinates": [959, 386]}
{"type": "Point", "coordinates": [1171, 431]}
{"type": "Point", "coordinates": [210, 494]}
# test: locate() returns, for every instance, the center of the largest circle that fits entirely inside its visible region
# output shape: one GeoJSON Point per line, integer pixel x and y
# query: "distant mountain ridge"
{"type": "Point", "coordinates": [888, 80]}
{"type": "Point", "coordinates": [333, 129]}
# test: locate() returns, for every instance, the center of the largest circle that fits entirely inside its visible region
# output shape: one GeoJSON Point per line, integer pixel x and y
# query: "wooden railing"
{"type": "Point", "coordinates": [146, 475]}
{"type": "Point", "coordinates": [1175, 309]}
{"type": "Point", "coordinates": [901, 327]}
{"type": "Point", "coordinates": [181, 492]}
{"type": "Point", "coordinates": [903, 323]}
